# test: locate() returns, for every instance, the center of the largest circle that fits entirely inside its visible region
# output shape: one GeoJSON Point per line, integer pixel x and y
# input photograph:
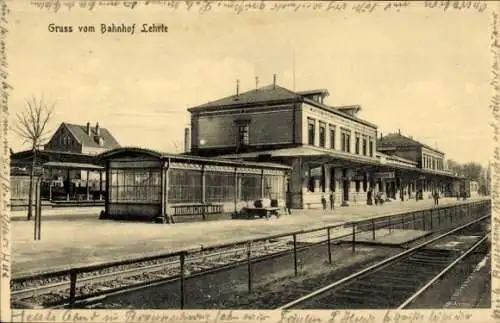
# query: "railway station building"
{"type": "Point", "coordinates": [329, 148]}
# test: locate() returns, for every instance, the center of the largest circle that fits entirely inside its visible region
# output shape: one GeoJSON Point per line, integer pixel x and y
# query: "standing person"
{"type": "Point", "coordinates": [332, 201]}
{"type": "Point", "coordinates": [437, 198]}
{"type": "Point", "coordinates": [323, 201]}
{"type": "Point", "coordinates": [288, 202]}
{"type": "Point", "coordinates": [369, 197]}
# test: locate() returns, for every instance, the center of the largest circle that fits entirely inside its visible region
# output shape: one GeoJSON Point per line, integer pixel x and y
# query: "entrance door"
{"type": "Point", "coordinates": [345, 185]}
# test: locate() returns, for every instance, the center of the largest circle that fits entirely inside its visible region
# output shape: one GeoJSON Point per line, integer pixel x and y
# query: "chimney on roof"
{"type": "Point", "coordinates": [97, 129]}
{"type": "Point", "coordinates": [399, 131]}
{"type": "Point", "coordinates": [187, 140]}
{"type": "Point", "coordinates": [381, 136]}
{"type": "Point", "coordinates": [256, 82]}
{"type": "Point", "coordinates": [88, 129]}
{"type": "Point", "coordinates": [237, 87]}
{"type": "Point", "coordinates": [274, 82]}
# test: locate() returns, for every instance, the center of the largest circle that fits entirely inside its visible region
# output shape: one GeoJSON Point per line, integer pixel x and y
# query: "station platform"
{"type": "Point", "coordinates": [393, 237]}
{"type": "Point", "coordinates": [455, 243]}
{"type": "Point", "coordinates": [70, 241]}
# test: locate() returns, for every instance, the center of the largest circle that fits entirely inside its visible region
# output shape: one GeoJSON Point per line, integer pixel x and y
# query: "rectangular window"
{"type": "Point", "coordinates": [250, 187]}
{"type": "Point", "coordinates": [346, 140]}
{"type": "Point", "coordinates": [364, 146]}
{"type": "Point", "coordinates": [356, 144]}
{"type": "Point", "coordinates": [243, 134]}
{"type": "Point", "coordinates": [342, 141]}
{"type": "Point", "coordinates": [219, 187]}
{"type": "Point", "coordinates": [332, 137]}
{"type": "Point", "coordinates": [310, 131]}
{"type": "Point", "coordinates": [322, 134]}
{"type": "Point", "coordinates": [274, 187]}
{"type": "Point", "coordinates": [135, 185]}
{"type": "Point", "coordinates": [371, 147]}
{"type": "Point", "coordinates": [184, 186]}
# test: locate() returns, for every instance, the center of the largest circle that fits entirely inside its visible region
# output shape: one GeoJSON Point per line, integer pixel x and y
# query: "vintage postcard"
{"type": "Point", "coordinates": [249, 161]}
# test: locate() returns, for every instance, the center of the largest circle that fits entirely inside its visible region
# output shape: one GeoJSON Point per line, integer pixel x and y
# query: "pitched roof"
{"type": "Point", "coordinates": [312, 92]}
{"type": "Point", "coordinates": [269, 93]}
{"type": "Point", "coordinates": [80, 133]}
{"type": "Point", "coordinates": [398, 140]}
{"type": "Point", "coordinates": [134, 151]}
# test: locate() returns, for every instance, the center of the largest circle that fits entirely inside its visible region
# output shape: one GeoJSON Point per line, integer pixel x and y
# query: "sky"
{"type": "Point", "coordinates": [422, 71]}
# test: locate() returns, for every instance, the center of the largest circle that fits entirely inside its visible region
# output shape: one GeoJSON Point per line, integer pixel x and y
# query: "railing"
{"type": "Point", "coordinates": [438, 217]}
{"type": "Point", "coordinates": [197, 209]}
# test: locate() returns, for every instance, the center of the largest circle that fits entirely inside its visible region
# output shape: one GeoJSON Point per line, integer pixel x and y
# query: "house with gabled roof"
{"type": "Point", "coordinates": [68, 163]}
{"type": "Point", "coordinates": [83, 139]}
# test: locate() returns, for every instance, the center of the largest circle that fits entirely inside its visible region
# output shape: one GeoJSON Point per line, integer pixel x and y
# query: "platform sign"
{"type": "Point", "coordinates": [385, 175]}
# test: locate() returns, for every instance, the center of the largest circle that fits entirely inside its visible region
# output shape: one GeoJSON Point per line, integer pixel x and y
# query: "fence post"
{"type": "Point", "coordinates": [439, 218]}
{"type": "Point", "coordinates": [35, 220]}
{"type": "Point", "coordinates": [329, 246]}
{"type": "Point", "coordinates": [39, 208]}
{"type": "Point", "coordinates": [423, 220]}
{"type": "Point", "coordinates": [373, 229]}
{"type": "Point", "coordinates": [389, 224]}
{"type": "Point", "coordinates": [432, 215]}
{"type": "Point", "coordinates": [295, 254]}
{"type": "Point", "coordinates": [72, 287]}
{"type": "Point", "coordinates": [402, 221]}
{"type": "Point", "coordinates": [249, 263]}
{"type": "Point", "coordinates": [414, 223]}
{"type": "Point", "coordinates": [353, 238]}
{"type": "Point", "coordinates": [182, 259]}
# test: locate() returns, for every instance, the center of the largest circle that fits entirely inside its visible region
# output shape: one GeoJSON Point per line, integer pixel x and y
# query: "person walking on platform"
{"type": "Point", "coordinates": [332, 201]}
{"type": "Point", "coordinates": [288, 202]}
{"type": "Point", "coordinates": [323, 202]}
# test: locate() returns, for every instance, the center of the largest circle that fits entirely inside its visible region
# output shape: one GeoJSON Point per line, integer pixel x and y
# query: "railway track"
{"type": "Point", "coordinates": [395, 282]}
{"type": "Point", "coordinates": [31, 293]}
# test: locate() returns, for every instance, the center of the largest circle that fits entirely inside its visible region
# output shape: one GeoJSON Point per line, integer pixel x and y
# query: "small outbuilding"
{"type": "Point", "coordinates": [148, 185]}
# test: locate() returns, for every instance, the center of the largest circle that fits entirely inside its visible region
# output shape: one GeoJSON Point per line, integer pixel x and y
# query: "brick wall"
{"type": "Point", "coordinates": [270, 125]}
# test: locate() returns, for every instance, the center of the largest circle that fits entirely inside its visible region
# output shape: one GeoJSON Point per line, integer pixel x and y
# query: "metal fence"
{"type": "Point", "coordinates": [435, 218]}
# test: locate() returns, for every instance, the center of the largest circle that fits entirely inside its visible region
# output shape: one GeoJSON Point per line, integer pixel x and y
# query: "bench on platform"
{"type": "Point", "coordinates": [195, 209]}
{"type": "Point", "coordinates": [191, 212]}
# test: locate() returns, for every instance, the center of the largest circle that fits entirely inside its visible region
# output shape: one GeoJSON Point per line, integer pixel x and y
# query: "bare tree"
{"type": "Point", "coordinates": [31, 125]}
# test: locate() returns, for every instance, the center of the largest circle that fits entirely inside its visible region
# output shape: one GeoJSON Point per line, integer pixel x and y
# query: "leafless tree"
{"type": "Point", "coordinates": [31, 125]}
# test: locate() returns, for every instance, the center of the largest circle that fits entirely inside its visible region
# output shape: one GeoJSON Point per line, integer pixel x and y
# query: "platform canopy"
{"type": "Point", "coordinates": [80, 166]}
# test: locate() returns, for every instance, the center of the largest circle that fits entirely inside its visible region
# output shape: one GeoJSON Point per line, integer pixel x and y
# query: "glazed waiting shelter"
{"type": "Point", "coordinates": [148, 185]}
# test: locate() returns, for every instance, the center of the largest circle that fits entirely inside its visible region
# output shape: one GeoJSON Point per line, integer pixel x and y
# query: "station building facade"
{"type": "Point", "coordinates": [329, 148]}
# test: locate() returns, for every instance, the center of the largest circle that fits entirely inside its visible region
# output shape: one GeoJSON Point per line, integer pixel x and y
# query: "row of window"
{"type": "Point", "coordinates": [432, 162]}
{"type": "Point", "coordinates": [363, 145]}
{"type": "Point", "coordinates": [65, 140]}
{"type": "Point", "coordinates": [185, 186]}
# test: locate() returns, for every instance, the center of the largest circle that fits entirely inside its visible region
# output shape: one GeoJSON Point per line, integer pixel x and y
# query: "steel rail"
{"type": "Point", "coordinates": [48, 288]}
{"type": "Point", "coordinates": [375, 266]}
{"type": "Point", "coordinates": [412, 298]}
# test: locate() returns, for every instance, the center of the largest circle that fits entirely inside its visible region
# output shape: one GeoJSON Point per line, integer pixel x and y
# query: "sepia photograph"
{"type": "Point", "coordinates": [255, 156]}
